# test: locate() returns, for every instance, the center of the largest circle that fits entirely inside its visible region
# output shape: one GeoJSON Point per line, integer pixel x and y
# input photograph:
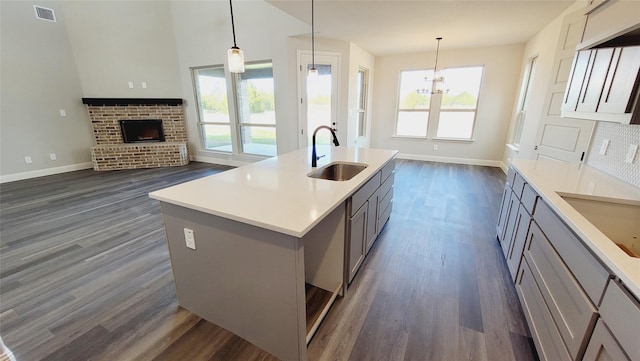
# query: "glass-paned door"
{"type": "Point", "coordinates": [318, 97]}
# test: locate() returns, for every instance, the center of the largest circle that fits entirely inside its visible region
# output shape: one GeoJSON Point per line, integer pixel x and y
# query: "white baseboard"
{"type": "Point", "coordinates": [218, 160]}
{"type": "Point", "coordinates": [45, 172]}
{"type": "Point", "coordinates": [429, 158]}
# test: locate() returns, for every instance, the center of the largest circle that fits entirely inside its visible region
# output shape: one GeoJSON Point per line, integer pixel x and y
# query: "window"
{"type": "Point", "coordinates": [453, 112]}
{"type": "Point", "coordinates": [256, 109]}
{"type": "Point", "coordinates": [363, 78]}
{"type": "Point", "coordinates": [254, 130]}
{"type": "Point", "coordinates": [523, 102]}
{"type": "Point", "coordinates": [459, 105]}
{"type": "Point", "coordinates": [213, 108]}
{"type": "Point", "coordinates": [413, 105]}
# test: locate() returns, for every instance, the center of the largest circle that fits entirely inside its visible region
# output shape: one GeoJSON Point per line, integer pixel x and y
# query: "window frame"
{"type": "Point", "coordinates": [240, 123]}
{"type": "Point", "coordinates": [235, 124]}
{"type": "Point", "coordinates": [199, 111]}
{"type": "Point", "coordinates": [526, 86]}
{"type": "Point", "coordinates": [427, 110]}
{"type": "Point", "coordinates": [362, 99]}
{"type": "Point", "coordinates": [474, 110]}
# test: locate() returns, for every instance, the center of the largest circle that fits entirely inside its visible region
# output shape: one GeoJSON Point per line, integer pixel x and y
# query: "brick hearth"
{"type": "Point", "coordinates": [112, 153]}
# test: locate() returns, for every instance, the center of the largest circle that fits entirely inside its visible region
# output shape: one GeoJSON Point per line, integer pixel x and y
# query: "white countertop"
{"type": "Point", "coordinates": [550, 177]}
{"type": "Point", "coordinates": [276, 193]}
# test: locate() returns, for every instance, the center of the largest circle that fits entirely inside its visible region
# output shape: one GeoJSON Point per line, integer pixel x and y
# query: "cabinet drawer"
{"type": "Point", "coordinates": [545, 335]}
{"type": "Point", "coordinates": [387, 185]}
{"type": "Point", "coordinates": [518, 185]}
{"type": "Point", "coordinates": [383, 216]}
{"type": "Point", "coordinates": [384, 202]}
{"type": "Point", "coordinates": [621, 312]}
{"type": "Point", "coordinates": [573, 313]}
{"type": "Point", "coordinates": [591, 275]}
{"type": "Point", "coordinates": [362, 194]}
{"type": "Point", "coordinates": [529, 198]}
{"type": "Point", "coordinates": [388, 169]}
{"type": "Point", "coordinates": [511, 175]}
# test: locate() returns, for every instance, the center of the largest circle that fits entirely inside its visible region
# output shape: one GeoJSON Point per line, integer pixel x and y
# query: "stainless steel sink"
{"type": "Point", "coordinates": [338, 171]}
{"type": "Point", "coordinates": [619, 220]}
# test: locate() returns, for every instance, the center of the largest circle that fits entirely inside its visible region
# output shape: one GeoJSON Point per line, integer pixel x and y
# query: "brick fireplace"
{"type": "Point", "coordinates": [111, 152]}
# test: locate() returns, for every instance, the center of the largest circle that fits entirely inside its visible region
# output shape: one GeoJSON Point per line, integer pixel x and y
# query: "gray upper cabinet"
{"type": "Point", "coordinates": [604, 85]}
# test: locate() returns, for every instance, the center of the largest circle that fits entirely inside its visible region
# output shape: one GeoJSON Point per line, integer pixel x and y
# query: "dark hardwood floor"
{"type": "Point", "coordinates": [85, 274]}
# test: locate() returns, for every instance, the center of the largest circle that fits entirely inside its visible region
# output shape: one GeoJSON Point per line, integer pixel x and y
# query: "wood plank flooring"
{"type": "Point", "coordinates": [85, 274]}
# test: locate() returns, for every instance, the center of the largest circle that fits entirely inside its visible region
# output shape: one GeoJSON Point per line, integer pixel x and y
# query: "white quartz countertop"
{"type": "Point", "coordinates": [276, 193]}
{"type": "Point", "coordinates": [549, 178]}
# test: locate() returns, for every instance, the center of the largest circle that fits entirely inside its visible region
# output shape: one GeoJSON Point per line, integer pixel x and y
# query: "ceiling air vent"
{"type": "Point", "coordinates": [44, 13]}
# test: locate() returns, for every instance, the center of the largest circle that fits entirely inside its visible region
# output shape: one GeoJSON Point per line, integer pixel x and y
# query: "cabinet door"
{"type": "Point", "coordinates": [578, 73]}
{"type": "Point", "coordinates": [372, 220]}
{"type": "Point", "coordinates": [603, 347]}
{"type": "Point", "coordinates": [512, 217]}
{"type": "Point", "coordinates": [357, 236]}
{"type": "Point", "coordinates": [514, 255]}
{"type": "Point", "coordinates": [594, 82]}
{"type": "Point", "coordinates": [619, 85]}
{"type": "Point", "coordinates": [504, 211]}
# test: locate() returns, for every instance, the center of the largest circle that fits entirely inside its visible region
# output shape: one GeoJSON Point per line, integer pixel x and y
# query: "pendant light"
{"type": "Point", "coordinates": [313, 72]}
{"type": "Point", "coordinates": [437, 84]}
{"type": "Point", "coordinates": [235, 55]}
{"type": "Point", "coordinates": [438, 79]}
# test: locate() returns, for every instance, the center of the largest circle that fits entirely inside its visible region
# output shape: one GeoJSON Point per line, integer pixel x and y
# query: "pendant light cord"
{"type": "Point", "coordinates": [233, 27]}
{"type": "Point", "coordinates": [435, 69]}
{"type": "Point", "coordinates": [313, 46]}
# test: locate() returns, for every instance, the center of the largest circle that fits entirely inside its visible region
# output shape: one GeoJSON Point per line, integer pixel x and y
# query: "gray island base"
{"type": "Point", "coordinates": [250, 279]}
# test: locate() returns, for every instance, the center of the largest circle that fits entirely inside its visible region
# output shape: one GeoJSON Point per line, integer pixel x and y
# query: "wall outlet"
{"type": "Point", "coordinates": [189, 238]}
{"type": "Point", "coordinates": [435, 147]}
{"type": "Point", "coordinates": [130, 85]}
{"type": "Point", "coordinates": [631, 153]}
{"type": "Point", "coordinates": [52, 156]}
{"type": "Point", "coordinates": [63, 113]}
{"type": "Point", "coordinates": [144, 85]}
{"type": "Point", "coordinates": [604, 146]}
{"type": "Point", "coordinates": [28, 160]}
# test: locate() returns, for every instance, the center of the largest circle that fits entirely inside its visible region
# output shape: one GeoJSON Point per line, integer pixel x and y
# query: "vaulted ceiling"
{"type": "Point", "coordinates": [397, 26]}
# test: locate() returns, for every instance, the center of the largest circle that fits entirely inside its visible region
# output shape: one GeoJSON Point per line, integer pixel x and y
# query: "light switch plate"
{"type": "Point", "coordinates": [189, 238]}
{"type": "Point", "coordinates": [631, 153]}
{"type": "Point", "coordinates": [604, 146]}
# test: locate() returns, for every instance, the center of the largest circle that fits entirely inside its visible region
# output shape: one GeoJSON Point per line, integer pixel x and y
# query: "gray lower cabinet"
{"type": "Point", "coordinates": [574, 307]}
{"type": "Point", "coordinates": [545, 335]}
{"type": "Point", "coordinates": [619, 324]}
{"type": "Point", "coordinates": [603, 346]}
{"type": "Point", "coordinates": [368, 210]}
{"type": "Point", "coordinates": [572, 312]}
{"type": "Point", "coordinates": [357, 236]}
{"type": "Point", "coordinates": [518, 203]}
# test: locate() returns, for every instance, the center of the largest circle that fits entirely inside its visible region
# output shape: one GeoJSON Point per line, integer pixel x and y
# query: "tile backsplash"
{"type": "Point", "coordinates": [613, 162]}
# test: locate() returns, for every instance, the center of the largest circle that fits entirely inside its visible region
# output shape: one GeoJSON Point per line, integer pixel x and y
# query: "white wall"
{"type": "Point", "coordinates": [116, 42]}
{"type": "Point", "coordinates": [203, 36]}
{"type": "Point", "coordinates": [497, 96]}
{"type": "Point", "coordinates": [39, 78]}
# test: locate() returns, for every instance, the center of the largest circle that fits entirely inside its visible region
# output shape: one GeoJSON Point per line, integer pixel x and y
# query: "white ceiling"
{"type": "Point", "coordinates": [396, 26]}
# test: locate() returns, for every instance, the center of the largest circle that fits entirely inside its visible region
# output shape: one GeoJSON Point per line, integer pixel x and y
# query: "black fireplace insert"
{"type": "Point", "coordinates": [140, 131]}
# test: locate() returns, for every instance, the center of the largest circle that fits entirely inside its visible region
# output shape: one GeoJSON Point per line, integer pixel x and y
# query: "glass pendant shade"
{"type": "Point", "coordinates": [313, 73]}
{"type": "Point", "coordinates": [236, 60]}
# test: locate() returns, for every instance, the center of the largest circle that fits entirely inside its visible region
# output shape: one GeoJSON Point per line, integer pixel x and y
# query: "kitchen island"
{"type": "Point", "coordinates": [244, 244]}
